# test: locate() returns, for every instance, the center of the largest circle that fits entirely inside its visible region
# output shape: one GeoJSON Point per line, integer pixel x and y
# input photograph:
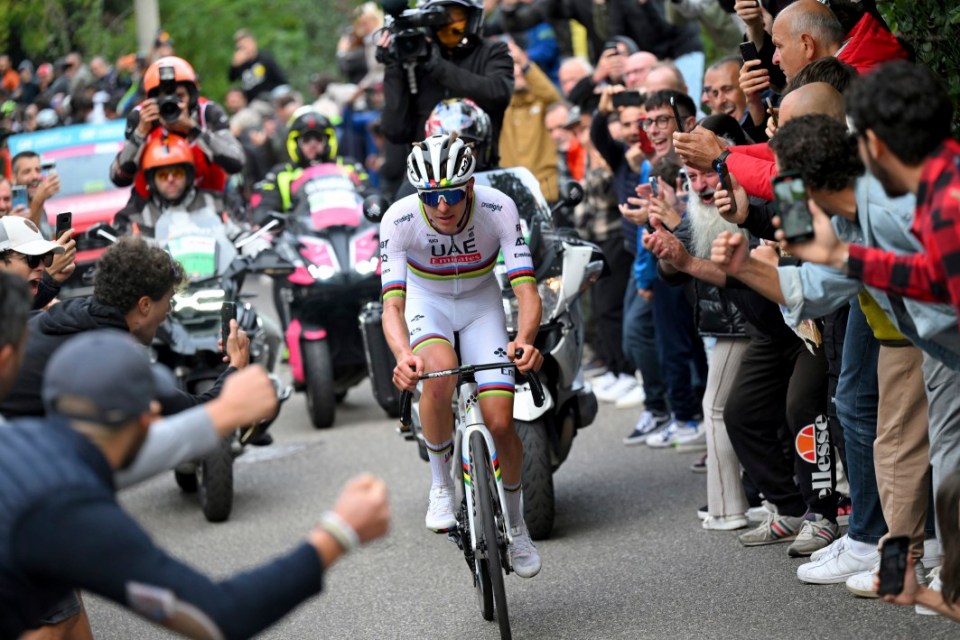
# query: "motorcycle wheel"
{"type": "Point", "coordinates": [186, 481]}
{"type": "Point", "coordinates": [321, 398]}
{"type": "Point", "coordinates": [215, 479]}
{"type": "Point", "coordinates": [539, 509]}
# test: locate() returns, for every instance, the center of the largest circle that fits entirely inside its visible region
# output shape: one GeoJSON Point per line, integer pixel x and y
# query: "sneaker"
{"type": "Point", "coordinates": [837, 565]}
{"type": "Point", "coordinates": [935, 584]}
{"type": "Point", "coordinates": [647, 424]}
{"type": "Point", "coordinates": [864, 584]}
{"type": "Point", "coordinates": [523, 555]}
{"type": "Point", "coordinates": [756, 515]}
{"type": "Point", "coordinates": [632, 399]}
{"type": "Point", "coordinates": [623, 385]}
{"type": "Point", "coordinates": [774, 529]}
{"type": "Point", "coordinates": [603, 381]}
{"type": "Point", "coordinates": [827, 549]}
{"type": "Point", "coordinates": [700, 466]}
{"type": "Point", "coordinates": [724, 523]}
{"type": "Point", "coordinates": [594, 369]}
{"type": "Point", "coordinates": [691, 436]}
{"type": "Point", "coordinates": [663, 438]}
{"type": "Point", "coordinates": [703, 512]}
{"type": "Point", "coordinates": [440, 513]}
{"type": "Point", "coordinates": [814, 535]}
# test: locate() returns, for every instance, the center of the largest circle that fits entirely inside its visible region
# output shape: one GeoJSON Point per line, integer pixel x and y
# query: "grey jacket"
{"type": "Point", "coordinates": [813, 290]}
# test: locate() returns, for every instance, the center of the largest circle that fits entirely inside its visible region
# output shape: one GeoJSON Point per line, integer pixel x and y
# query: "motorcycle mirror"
{"type": "Point", "coordinates": [571, 193]}
{"type": "Point", "coordinates": [374, 207]}
{"type": "Point", "coordinates": [103, 230]}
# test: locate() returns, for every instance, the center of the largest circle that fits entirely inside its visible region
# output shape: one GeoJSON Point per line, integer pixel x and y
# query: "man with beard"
{"type": "Point", "coordinates": [59, 501]}
{"type": "Point", "coordinates": [717, 317]}
{"type": "Point", "coordinates": [779, 380]}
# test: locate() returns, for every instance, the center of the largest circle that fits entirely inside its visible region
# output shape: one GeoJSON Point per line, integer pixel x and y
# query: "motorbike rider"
{"type": "Point", "coordinates": [174, 105]}
{"type": "Point", "coordinates": [470, 122]}
{"type": "Point", "coordinates": [311, 140]}
{"type": "Point", "coordinates": [429, 301]}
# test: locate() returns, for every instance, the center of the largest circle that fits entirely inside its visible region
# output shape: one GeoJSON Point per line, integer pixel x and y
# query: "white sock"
{"type": "Point", "coordinates": [439, 455]}
{"type": "Point", "coordinates": [514, 512]}
{"type": "Point", "coordinates": [860, 548]}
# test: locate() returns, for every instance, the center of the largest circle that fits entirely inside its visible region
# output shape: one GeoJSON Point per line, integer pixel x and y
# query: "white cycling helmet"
{"type": "Point", "coordinates": [442, 161]}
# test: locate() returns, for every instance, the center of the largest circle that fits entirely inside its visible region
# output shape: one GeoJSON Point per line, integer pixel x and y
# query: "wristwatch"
{"type": "Point", "coordinates": [720, 159]}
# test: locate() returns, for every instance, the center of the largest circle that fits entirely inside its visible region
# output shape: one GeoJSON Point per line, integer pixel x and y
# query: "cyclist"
{"type": "Point", "coordinates": [174, 104]}
{"type": "Point", "coordinates": [438, 249]}
{"type": "Point", "coordinates": [311, 139]}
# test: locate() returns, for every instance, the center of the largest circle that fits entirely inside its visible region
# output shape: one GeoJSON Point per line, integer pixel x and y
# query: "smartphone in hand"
{"type": "Point", "coordinates": [654, 186]}
{"type": "Point", "coordinates": [748, 51]}
{"type": "Point", "coordinates": [774, 113]}
{"type": "Point", "coordinates": [628, 99]}
{"type": "Point", "coordinates": [20, 196]}
{"type": "Point", "coordinates": [64, 223]}
{"type": "Point", "coordinates": [676, 114]}
{"type": "Point", "coordinates": [790, 194]}
{"type": "Point", "coordinates": [228, 312]}
{"type": "Point", "coordinates": [725, 184]}
{"type": "Point", "coordinates": [893, 565]}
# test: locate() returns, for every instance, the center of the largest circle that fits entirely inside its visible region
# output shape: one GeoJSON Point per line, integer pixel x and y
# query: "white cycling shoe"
{"type": "Point", "coordinates": [523, 555]}
{"type": "Point", "coordinates": [441, 511]}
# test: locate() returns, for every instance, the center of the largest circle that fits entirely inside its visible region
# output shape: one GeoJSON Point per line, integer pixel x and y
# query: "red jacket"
{"type": "Point", "coordinates": [869, 44]}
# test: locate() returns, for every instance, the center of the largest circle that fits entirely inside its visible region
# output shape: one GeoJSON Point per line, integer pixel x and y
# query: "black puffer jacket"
{"type": "Point", "coordinates": [715, 312]}
{"type": "Point", "coordinates": [46, 331]}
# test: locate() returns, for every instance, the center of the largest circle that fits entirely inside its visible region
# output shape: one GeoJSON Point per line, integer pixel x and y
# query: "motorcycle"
{"type": "Point", "coordinates": [565, 268]}
{"type": "Point", "coordinates": [187, 341]}
{"type": "Point", "coordinates": [337, 270]}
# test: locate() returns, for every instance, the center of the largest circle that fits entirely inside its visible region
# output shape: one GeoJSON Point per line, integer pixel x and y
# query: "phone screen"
{"type": "Point", "coordinates": [19, 195]}
{"type": "Point", "coordinates": [654, 187]}
{"type": "Point", "coordinates": [893, 565]}
{"type": "Point", "coordinates": [795, 219]}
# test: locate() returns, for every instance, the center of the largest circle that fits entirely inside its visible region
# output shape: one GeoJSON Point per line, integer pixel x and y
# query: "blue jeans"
{"type": "Point", "coordinates": [856, 400]}
{"type": "Point", "coordinates": [682, 359]}
{"type": "Point", "coordinates": [640, 347]}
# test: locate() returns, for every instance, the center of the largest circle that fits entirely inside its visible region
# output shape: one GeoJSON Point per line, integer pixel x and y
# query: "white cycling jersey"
{"type": "Point", "coordinates": [448, 280]}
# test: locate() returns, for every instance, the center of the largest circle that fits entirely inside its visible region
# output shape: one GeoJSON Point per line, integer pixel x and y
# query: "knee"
{"type": "Point", "coordinates": [500, 427]}
{"type": "Point", "coordinates": [438, 391]}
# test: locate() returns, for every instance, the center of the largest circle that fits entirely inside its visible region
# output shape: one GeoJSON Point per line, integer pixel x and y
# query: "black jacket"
{"type": "Point", "coordinates": [483, 73]}
{"type": "Point", "coordinates": [46, 331]}
{"type": "Point", "coordinates": [646, 24]}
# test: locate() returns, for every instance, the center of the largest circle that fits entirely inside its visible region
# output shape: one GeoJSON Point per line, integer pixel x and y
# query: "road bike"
{"type": "Point", "coordinates": [483, 524]}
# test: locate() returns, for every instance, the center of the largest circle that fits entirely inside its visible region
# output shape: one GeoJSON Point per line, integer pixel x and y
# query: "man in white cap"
{"type": "Point", "coordinates": [25, 252]}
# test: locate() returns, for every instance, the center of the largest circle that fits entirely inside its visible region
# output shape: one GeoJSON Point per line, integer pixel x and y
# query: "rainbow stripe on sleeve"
{"type": "Point", "coordinates": [393, 290]}
{"type": "Point", "coordinates": [521, 275]}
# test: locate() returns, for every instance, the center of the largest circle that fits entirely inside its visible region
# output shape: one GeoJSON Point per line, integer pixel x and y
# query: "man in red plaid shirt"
{"type": "Point", "coordinates": [901, 115]}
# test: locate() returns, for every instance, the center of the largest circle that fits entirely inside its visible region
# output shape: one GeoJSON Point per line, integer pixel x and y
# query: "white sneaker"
{"type": "Point", "coordinates": [603, 381]}
{"type": "Point", "coordinates": [624, 384]}
{"type": "Point", "coordinates": [756, 515]}
{"type": "Point", "coordinates": [647, 424]}
{"type": "Point", "coordinates": [724, 523]}
{"type": "Point", "coordinates": [862, 584]}
{"type": "Point", "coordinates": [440, 512]}
{"type": "Point", "coordinates": [663, 438]}
{"type": "Point", "coordinates": [691, 436]}
{"type": "Point", "coordinates": [816, 555]}
{"type": "Point", "coordinates": [632, 399]}
{"type": "Point", "coordinates": [935, 584]}
{"type": "Point", "coordinates": [523, 555]}
{"type": "Point", "coordinates": [836, 565]}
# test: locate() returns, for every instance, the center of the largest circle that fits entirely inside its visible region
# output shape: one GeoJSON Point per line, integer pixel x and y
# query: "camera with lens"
{"type": "Point", "coordinates": [169, 107]}
{"type": "Point", "coordinates": [409, 28]}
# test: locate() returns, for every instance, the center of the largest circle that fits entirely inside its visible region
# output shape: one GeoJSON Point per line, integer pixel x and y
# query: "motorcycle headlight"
{"type": "Point", "coordinates": [321, 272]}
{"type": "Point", "coordinates": [366, 267]}
{"type": "Point", "coordinates": [189, 302]}
{"type": "Point", "coordinates": [550, 290]}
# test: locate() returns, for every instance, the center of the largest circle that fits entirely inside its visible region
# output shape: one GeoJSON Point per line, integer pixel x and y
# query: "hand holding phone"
{"type": "Point", "coordinates": [64, 223]}
{"type": "Point", "coordinates": [748, 51]}
{"type": "Point", "coordinates": [654, 186]}
{"type": "Point", "coordinates": [228, 312]}
{"type": "Point", "coordinates": [893, 565]}
{"type": "Point", "coordinates": [790, 194]}
{"type": "Point", "coordinates": [726, 184]}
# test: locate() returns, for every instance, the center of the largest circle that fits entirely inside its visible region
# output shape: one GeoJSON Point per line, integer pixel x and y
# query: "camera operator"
{"type": "Point", "coordinates": [174, 104]}
{"type": "Point", "coordinates": [455, 62]}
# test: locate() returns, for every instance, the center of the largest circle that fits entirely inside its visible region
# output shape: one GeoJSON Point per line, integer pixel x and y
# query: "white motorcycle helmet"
{"type": "Point", "coordinates": [442, 161]}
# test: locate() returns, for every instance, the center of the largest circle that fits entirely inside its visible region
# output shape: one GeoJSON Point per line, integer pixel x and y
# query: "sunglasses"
{"type": "Point", "coordinates": [176, 172]}
{"type": "Point", "coordinates": [314, 136]}
{"type": "Point", "coordinates": [35, 261]}
{"type": "Point", "coordinates": [457, 29]}
{"type": "Point", "coordinates": [450, 196]}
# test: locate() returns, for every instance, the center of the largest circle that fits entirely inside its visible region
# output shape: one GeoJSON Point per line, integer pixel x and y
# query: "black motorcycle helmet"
{"type": "Point", "coordinates": [305, 120]}
{"type": "Point", "coordinates": [473, 32]}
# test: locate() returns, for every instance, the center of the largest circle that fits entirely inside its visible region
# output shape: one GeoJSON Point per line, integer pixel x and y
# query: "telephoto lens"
{"type": "Point", "coordinates": [169, 108]}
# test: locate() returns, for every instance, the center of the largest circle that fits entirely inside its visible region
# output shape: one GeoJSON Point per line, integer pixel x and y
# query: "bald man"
{"type": "Point", "coordinates": [636, 69]}
{"type": "Point", "coordinates": [803, 32]}
{"type": "Point", "coordinates": [815, 98]}
{"type": "Point", "coordinates": [664, 75]}
{"type": "Point", "coordinates": [721, 89]}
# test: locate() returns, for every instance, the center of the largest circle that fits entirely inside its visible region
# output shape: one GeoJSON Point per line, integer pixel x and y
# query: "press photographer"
{"type": "Point", "coordinates": [437, 52]}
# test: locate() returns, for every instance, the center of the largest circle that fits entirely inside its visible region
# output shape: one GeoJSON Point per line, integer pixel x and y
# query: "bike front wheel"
{"type": "Point", "coordinates": [489, 551]}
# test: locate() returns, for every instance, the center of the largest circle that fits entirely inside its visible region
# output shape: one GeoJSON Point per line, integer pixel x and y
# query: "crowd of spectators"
{"type": "Point", "coordinates": [817, 369]}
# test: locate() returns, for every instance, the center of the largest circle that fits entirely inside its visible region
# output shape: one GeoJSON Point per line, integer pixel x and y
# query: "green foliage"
{"type": "Point", "coordinates": [932, 27]}
{"type": "Point", "coordinates": [301, 34]}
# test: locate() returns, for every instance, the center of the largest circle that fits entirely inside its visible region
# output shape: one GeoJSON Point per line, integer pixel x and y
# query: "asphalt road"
{"type": "Point", "coordinates": [628, 558]}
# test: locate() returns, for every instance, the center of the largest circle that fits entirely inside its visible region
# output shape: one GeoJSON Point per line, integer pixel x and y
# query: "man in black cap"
{"type": "Point", "coordinates": [100, 392]}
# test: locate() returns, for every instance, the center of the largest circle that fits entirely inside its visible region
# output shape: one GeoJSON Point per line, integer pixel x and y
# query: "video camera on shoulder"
{"type": "Point", "coordinates": [409, 28]}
